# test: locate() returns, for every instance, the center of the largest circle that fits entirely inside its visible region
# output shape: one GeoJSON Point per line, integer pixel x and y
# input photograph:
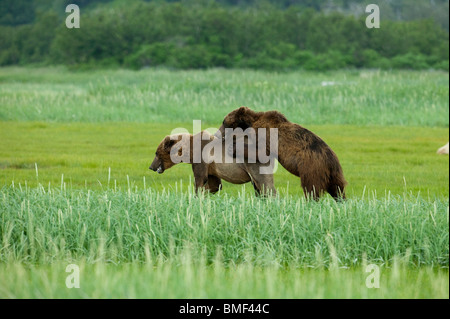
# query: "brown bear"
{"type": "Point", "coordinates": [300, 151]}
{"type": "Point", "coordinates": [208, 173]}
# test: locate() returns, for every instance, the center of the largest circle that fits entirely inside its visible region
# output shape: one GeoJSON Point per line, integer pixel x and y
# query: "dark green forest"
{"type": "Point", "coordinates": [275, 35]}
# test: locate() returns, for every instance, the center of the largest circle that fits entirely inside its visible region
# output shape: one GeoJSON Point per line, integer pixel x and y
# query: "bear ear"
{"type": "Point", "coordinates": [241, 111]}
{"type": "Point", "coordinates": [168, 143]}
{"type": "Point", "coordinates": [242, 118]}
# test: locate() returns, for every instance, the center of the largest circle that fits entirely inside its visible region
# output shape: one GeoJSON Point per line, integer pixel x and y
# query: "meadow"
{"type": "Point", "coordinates": [76, 189]}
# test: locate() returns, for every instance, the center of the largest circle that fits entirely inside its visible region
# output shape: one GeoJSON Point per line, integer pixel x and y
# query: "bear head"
{"type": "Point", "coordinates": [165, 151]}
{"type": "Point", "coordinates": [242, 117]}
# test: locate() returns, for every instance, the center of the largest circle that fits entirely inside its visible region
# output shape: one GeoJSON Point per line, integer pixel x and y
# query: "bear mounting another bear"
{"type": "Point", "coordinates": [300, 151]}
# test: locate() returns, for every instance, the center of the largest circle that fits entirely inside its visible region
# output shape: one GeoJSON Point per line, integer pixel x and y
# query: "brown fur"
{"type": "Point", "coordinates": [208, 175]}
{"type": "Point", "coordinates": [300, 151]}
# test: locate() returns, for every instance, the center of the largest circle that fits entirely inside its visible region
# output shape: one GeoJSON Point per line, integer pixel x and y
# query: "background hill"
{"type": "Point", "coordinates": [289, 34]}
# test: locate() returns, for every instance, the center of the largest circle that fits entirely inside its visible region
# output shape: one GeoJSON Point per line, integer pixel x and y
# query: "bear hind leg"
{"type": "Point", "coordinates": [312, 189]}
{"type": "Point", "coordinates": [337, 192]}
{"type": "Point", "coordinates": [214, 184]}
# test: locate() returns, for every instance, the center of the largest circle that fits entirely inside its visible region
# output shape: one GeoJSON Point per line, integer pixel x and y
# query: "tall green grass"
{"type": "Point", "coordinates": [45, 225]}
{"type": "Point", "coordinates": [139, 243]}
{"type": "Point", "coordinates": [366, 97]}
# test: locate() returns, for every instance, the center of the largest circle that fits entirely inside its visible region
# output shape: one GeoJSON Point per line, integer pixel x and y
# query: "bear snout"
{"type": "Point", "coordinates": [157, 165]}
{"type": "Point", "coordinates": [159, 169]}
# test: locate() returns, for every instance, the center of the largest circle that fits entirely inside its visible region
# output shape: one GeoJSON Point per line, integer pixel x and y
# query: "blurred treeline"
{"type": "Point", "coordinates": [287, 34]}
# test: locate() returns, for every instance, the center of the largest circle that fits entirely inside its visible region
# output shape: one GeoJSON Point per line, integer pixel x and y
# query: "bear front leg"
{"type": "Point", "coordinates": [200, 175]}
{"type": "Point", "coordinates": [214, 184]}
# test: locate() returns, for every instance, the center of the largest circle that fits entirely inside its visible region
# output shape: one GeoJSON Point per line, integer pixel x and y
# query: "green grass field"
{"type": "Point", "coordinates": [75, 187]}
